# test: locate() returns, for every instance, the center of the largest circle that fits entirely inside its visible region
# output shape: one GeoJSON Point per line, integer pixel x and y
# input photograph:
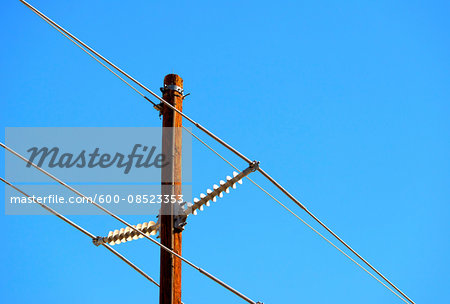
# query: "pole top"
{"type": "Point", "coordinates": [173, 79]}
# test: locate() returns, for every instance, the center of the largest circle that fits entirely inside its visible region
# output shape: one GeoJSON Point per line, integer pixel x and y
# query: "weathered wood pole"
{"type": "Point", "coordinates": [170, 267]}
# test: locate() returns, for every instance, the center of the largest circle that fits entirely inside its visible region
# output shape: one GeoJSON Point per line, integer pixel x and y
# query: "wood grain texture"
{"type": "Point", "coordinates": [171, 177]}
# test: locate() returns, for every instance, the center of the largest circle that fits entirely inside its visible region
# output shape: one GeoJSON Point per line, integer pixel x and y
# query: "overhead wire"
{"type": "Point", "coordinates": [293, 213]}
{"type": "Point", "coordinates": [90, 54]}
{"type": "Point", "coordinates": [212, 135]}
{"type": "Point", "coordinates": [89, 200]}
{"type": "Point", "coordinates": [215, 137]}
{"type": "Point", "coordinates": [81, 229]}
{"type": "Point", "coordinates": [273, 181]}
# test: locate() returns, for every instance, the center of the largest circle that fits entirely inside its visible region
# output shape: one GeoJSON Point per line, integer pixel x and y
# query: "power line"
{"type": "Point", "coordinates": [212, 135]}
{"type": "Point", "coordinates": [90, 54]}
{"type": "Point", "coordinates": [202, 271]}
{"type": "Point", "coordinates": [332, 233]}
{"type": "Point", "coordinates": [316, 219]}
{"type": "Point", "coordinates": [294, 214]}
{"type": "Point", "coordinates": [215, 137]}
{"type": "Point", "coordinates": [79, 228]}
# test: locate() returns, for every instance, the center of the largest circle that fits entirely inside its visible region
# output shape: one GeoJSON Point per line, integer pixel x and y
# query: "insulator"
{"type": "Point", "coordinates": [221, 184]}
{"type": "Point", "coordinates": [208, 203]}
{"type": "Point", "coordinates": [127, 234]}
{"type": "Point", "coordinates": [115, 237]}
{"type": "Point", "coordinates": [236, 174]}
{"type": "Point", "coordinates": [202, 196]}
{"type": "Point", "coordinates": [218, 190]}
{"type": "Point", "coordinates": [215, 187]}
{"type": "Point", "coordinates": [139, 227]}
{"type": "Point", "coordinates": [121, 235]}
{"type": "Point", "coordinates": [135, 236]}
{"type": "Point", "coordinates": [144, 228]}
{"type": "Point", "coordinates": [111, 236]}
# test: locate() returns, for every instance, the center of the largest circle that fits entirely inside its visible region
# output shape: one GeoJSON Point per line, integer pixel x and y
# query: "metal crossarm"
{"type": "Point", "coordinates": [218, 190]}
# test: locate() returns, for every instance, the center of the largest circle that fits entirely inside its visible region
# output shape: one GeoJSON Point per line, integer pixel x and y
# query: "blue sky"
{"type": "Point", "coordinates": [346, 103]}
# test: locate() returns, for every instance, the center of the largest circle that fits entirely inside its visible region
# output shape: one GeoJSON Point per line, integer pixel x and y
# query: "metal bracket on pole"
{"type": "Point", "coordinates": [179, 222]}
{"type": "Point", "coordinates": [179, 219]}
{"type": "Point", "coordinates": [172, 87]}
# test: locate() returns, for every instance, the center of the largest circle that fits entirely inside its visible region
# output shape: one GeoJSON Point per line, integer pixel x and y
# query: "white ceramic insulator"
{"type": "Point", "coordinates": [128, 230]}
{"type": "Point", "coordinates": [135, 237]}
{"type": "Point", "coordinates": [110, 234]}
{"type": "Point", "coordinates": [139, 227]}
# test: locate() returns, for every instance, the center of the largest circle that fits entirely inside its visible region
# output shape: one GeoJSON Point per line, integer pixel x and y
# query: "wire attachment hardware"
{"type": "Point", "coordinates": [179, 222]}
{"type": "Point", "coordinates": [179, 217]}
{"type": "Point", "coordinates": [158, 107]}
{"type": "Point", "coordinates": [173, 87]}
{"type": "Point", "coordinates": [99, 240]}
{"type": "Point", "coordinates": [218, 190]}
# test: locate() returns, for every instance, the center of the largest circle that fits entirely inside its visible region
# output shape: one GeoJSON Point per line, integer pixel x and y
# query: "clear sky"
{"type": "Point", "coordinates": [345, 102]}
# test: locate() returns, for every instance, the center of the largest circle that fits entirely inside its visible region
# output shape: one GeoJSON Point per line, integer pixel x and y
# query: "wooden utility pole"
{"type": "Point", "coordinates": [170, 267]}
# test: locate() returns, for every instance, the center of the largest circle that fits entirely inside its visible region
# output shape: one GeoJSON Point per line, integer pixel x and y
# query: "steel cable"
{"type": "Point", "coordinates": [202, 271]}
{"type": "Point", "coordinates": [222, 142]}
{"type": "Point", "coordinates": [79, 228]}
{"type": "Point", "coordinates": [293, 213]}
{"type": "Point", "coordinates": [215, 137]}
